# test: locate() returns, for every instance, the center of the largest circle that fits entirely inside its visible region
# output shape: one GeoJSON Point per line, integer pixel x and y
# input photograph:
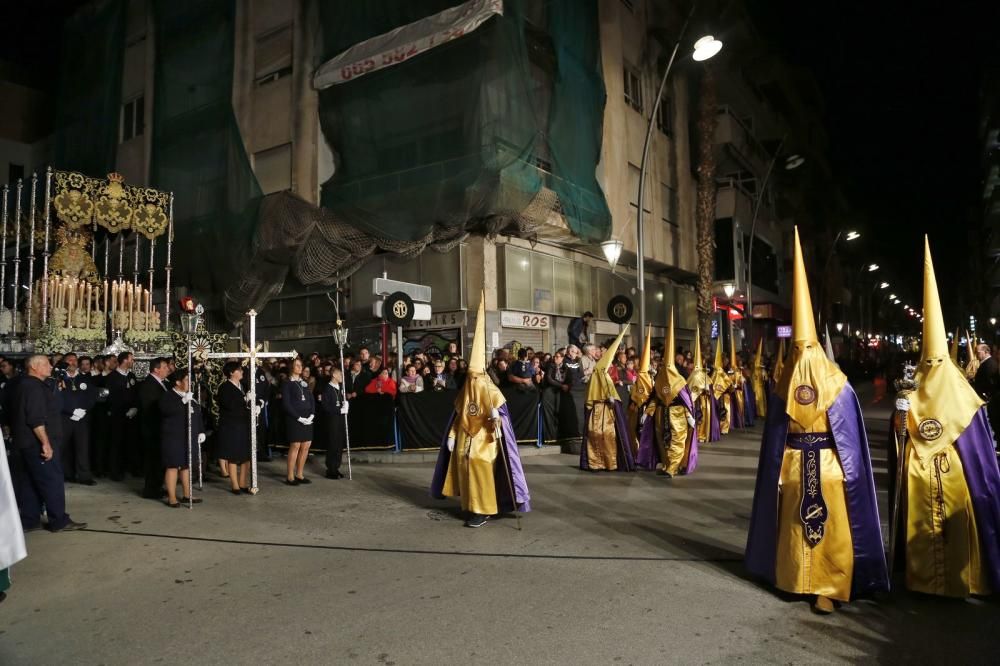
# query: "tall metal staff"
{"type": "Point", "coordinates": [340, 336]}
{"type": "Point", "coordinates": [31, 253]}
{"type": "Point", "coordinates": [3, 252]}
{"type": "Point", "coordinates": [169, 268]}
{"type": "Point", "coordinates": [17, 253]}
{"type": "Point", "coordinates": [45, 247]}
{"type": "Point", "coordinates": [189, 326]}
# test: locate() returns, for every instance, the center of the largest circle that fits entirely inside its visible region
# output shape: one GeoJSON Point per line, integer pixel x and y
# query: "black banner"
{"type": "Point", "coordinates": [523, 407]}
{"type": "Point", "coordinates": [371, 418]}
{"type": "Point", "coordinates": [423, 418]}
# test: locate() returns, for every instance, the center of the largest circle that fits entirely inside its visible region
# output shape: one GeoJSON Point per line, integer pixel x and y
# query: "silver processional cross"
{"type": "Point", "coordinates": [252, 357]}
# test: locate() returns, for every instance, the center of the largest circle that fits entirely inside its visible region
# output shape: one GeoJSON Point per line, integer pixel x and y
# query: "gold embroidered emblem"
{"type": "Point", "coordinates": [805, 395]}
{"type": "Point", "coordinates": [930, 429]}
{"type": "Point", "coordinates": [473, 409]}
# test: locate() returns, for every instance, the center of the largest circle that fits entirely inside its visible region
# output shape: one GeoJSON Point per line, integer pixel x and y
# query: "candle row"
{"type": "Point", "coordinates": [131, 299]}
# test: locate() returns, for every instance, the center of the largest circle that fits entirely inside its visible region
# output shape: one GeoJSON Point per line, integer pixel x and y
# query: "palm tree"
{"type": "Point", "coordinates": [705, 207]}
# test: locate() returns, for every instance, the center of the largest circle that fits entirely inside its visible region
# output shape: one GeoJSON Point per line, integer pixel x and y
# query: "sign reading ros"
{"type": "Point", "coordinates": [524, 320]}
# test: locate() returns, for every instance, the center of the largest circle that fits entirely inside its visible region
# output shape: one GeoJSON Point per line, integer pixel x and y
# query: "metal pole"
{"type": "Point", "coordinates": [753, 231]}
{"type": "Point", "coordinates": [135, 263]}
{"type": "Point", "coordinates": [190, 414]}
{"type": "Point", "coordinates": [17, 254]}
{"type": "Point", "coordinates": [3, 252]}
{"type": "Point", "coordinates": [149, 307]}
{"type": "Point", "coordinates": [31, 253]}
{"type": "Point", "coordinates": [252, 314]}
{"type": "Point", "coordinates": [45, 247]}
{"type": "Point", "coordinates": [640, 243]}
{"type": "Point", "coordinates": [170, 246]}
{"type": "Point", "coordinates": [343, 381]}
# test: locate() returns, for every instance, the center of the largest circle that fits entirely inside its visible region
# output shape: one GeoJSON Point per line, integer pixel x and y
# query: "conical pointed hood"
{"type": "Point", "coordinates": [944, 402]}
{"type": "Point", "coordinates": [477, 358]}
{"type": "Point", "coordinates": [643, 382]}
{"type": "Point", "coordinates": [953, 348]}
{"type": "Point", "coordinates": [479, 395]}
{"type": "Point", "coordinates": [758, 358]}
{"type": "Point", "coordinates": [644, 360]}
{"type": "Point", "coordinates": [669, 381]}
{"type": "Point", "coordinates": [779, 362]}
{"type": "Point", "coordinates": [812, 382]}
{"type": "Point", "coordinates": [803, 319]}
{"type": "Point", "coordinates": [733, 365]}
{"type": "Point", "coordinates": [601, 387]}
{"type": "Point", "coordinates": [935, 342]}
{"type": "Point", "coordinates": [698, 364]}
{"type": "Point", "coordinates": [698, 381]}
{"type": "Point", "coordinates": [829, 346]}
{"type": "Point", "coordinates": [972, 367]}
{"type": "Point", "coordinates": [720, 380]}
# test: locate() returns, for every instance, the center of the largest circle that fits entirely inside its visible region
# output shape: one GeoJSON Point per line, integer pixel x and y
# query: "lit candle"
{"type": "Point", "coordinates": [89, 294]}
{"type": "Point", "coordinates": [71, 298]}
{"type": "Point", "coordinates": [105, 295]}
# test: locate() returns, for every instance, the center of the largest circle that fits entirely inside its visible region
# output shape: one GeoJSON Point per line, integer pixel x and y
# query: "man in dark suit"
{"type": "Point", "coordinates": [149, 393]}
{"type": "Point", "coordinates": [122, 411]}
{"type": "Point", "coordinates": [79, 397]}
{"type": "Point", "coordinates": [37, 474]}
{"type": "Point", "coordinates": [987, 385]}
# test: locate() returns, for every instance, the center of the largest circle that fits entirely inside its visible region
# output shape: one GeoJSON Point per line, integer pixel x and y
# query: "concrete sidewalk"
{"type": "Point", "coordinates": [608, 568]}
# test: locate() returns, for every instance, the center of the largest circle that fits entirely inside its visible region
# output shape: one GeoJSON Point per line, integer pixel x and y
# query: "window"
{"type": "Point", "coordinates": [14, 171]}
{"type": "Point", "coordinates": [274, 168]}
{"type": "Point", "coordinates": [668, 204]}
{"type": "Point", "coordinates": [633, 88]}
{"type": "Point", "coordinates": [725, 253]}
{"type": "Point", "coordinates": [765, 263]}
{"type": "Point", "coordinates": [665, 116]}
{"type": "Point", "coordinates": [133, 120]}
{"type": "Point", "coordinates": [273, 55]}
{"type": "Point", "coordinates": [633, 186]}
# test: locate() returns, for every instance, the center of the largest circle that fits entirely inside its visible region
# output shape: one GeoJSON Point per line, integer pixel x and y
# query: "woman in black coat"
{"type": "Point", "coordinates": [232, 439]}
{"type": "Point", "coordinates": [300, 410]}
{"type": "Point", "coordinates": [175, 448]}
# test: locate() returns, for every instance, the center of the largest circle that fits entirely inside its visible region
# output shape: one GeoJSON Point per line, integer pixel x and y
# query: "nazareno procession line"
{"type": "Point", "coordinates": [418, 551]}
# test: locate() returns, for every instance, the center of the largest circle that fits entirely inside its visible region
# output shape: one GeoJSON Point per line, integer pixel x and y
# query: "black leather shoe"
{"type": "Point", "coordinates": [334, 475]}
{"type": "Point", "coordinates": [71, 526]}
{"type": "Point", "coordinates": [304, 481]}
{"type": "Point", "coordinates": [291, 482]}
{"type": "Point", "coordinates": [476, 520]}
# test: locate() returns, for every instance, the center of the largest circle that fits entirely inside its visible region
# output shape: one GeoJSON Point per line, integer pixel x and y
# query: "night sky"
{"type": "Point", "coordinates": [901, 82]}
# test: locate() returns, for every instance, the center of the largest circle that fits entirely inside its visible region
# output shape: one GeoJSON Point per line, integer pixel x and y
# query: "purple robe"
{"type": "Point", "coordinates": [621, 438]}
{"type": "Point", "coordinates": [750, 400]}
{"type": "Point", "coordinates": [848, 431]}
{"type": "Point", "coordinates": [509, 456]}
{"type": "Point", "coordinates": [714, 428]}
{"type": "Point", "coordinates": [735, 413]}
{"type": "Point", "coordinates": [982, 476]}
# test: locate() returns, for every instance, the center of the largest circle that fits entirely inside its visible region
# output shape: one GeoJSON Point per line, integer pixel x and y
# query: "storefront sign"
{"type": "Point", "coordinates": [784, 331]}
{"type": "Point", "coordinates": [440, 320]}
{"type": "Point", "coordinates": [524, 320]}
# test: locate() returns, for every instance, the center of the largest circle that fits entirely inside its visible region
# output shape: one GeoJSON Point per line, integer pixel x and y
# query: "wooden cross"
{"type": "Point", "coordinates": [252, 357]}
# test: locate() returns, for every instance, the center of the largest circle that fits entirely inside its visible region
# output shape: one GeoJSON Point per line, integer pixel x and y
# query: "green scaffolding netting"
{"type": "Point", "coordinates": [500, 126]}
{"type": "Point", "coordinates": [90, 83]}
{"type": "Point", "coordinates": [198, 152]}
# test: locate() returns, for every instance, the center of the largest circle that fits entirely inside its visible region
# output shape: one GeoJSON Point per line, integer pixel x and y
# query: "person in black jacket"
{"type": "Point", "coordinates": [300, 410]}
{"type": "Point", "coordinates": [79, 398]}
{"type": "Point", "coordinates": [553, 386]}
{"type": "Point", "coordinates": [148, 395]}
{"type": "Point", "coordinates": [333, 406]}
{"type": "Point", "coordinates": [232, 439]}
{"type": "Point", "coordinates": [122, 410]}
{"type": "Point", "coordinates": [178, 453]}
{"type": "Point", "coordinates": [987, 385]}
{"type": "Point", "coordinates": [37, 474]}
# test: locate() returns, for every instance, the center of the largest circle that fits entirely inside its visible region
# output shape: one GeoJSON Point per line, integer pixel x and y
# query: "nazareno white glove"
{"type": "Point", "coordinates": [344, 408]}
{"type": "Point", "coordinates": [201, 438]}
{"type": "Point", "coordinates": [130, 414]}
{"type": "Point", "coordinates": [691, 421]}
{"type": "Point", "coordinates": [304, 421]}
{"type": "Point", "coordinates": [903, 405]}
{"type": "Point", "coordinates": [78, 414]}
{"type": "Point", "coordinates": [451, 443]}
{"type": "Point", "coordinates": [643, 417]}
{"type": "Point", "coordinates": [494, 413]}
{"type": "Point", "coordinates": [256, 410]}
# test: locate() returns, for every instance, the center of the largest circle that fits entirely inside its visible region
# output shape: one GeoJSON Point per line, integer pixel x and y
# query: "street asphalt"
{"type": "Point", "coordinates": [608, 569]}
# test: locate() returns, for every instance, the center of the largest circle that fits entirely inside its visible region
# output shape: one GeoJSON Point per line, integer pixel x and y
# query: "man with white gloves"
{"type": "Point", "coordinates": [78, 398]}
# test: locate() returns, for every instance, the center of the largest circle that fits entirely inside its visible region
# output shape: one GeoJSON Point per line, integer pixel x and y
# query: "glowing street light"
{"type": "Point", "coordinates": [852, 235]}
{"type": "Point", "coordinates": [612, 251]}
{"type": "Point", "coordinates": [872, 268]}
{"type": "Point", "coordinates": [729, 289]}
{"type": "Point", "coordinates": [705, 48]}
{"type": "Point", "coordinates": [884, 285]}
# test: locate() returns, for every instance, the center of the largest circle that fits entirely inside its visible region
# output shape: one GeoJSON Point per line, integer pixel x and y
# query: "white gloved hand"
{"type": "Point", "coordinates": [903, 405]}
{"type": "Point", "coordinates": [256, 410]}
{"type": "Point", "coordinates": [304, 421]}
{"type": "Point", "coordinates": [310, 419]}
{"type": "Point", "coordinates": [187, 397]}
{"type": "Point", "coordinates": [643, 417]}
{"type": "Point", "coordinates": [345, 408]}
{"type": "Point", "coordinates": [201, 438]}
{"type": "Point", "coordinates": [494, 413]}
{"type": "Point", "coordinates": [691, 421]}
{"type": "Point", "coordinates": [78, 414]}
{"type": "Point", "coordinates": [130, 414]}
{"type": "Point", "coordinates": [451, 443]}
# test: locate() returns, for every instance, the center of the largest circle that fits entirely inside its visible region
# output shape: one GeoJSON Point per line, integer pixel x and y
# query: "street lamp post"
{"type": "Point", "coordinates": [791, 162]}
{"type": "Point", "coordinates": [704, 48]}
